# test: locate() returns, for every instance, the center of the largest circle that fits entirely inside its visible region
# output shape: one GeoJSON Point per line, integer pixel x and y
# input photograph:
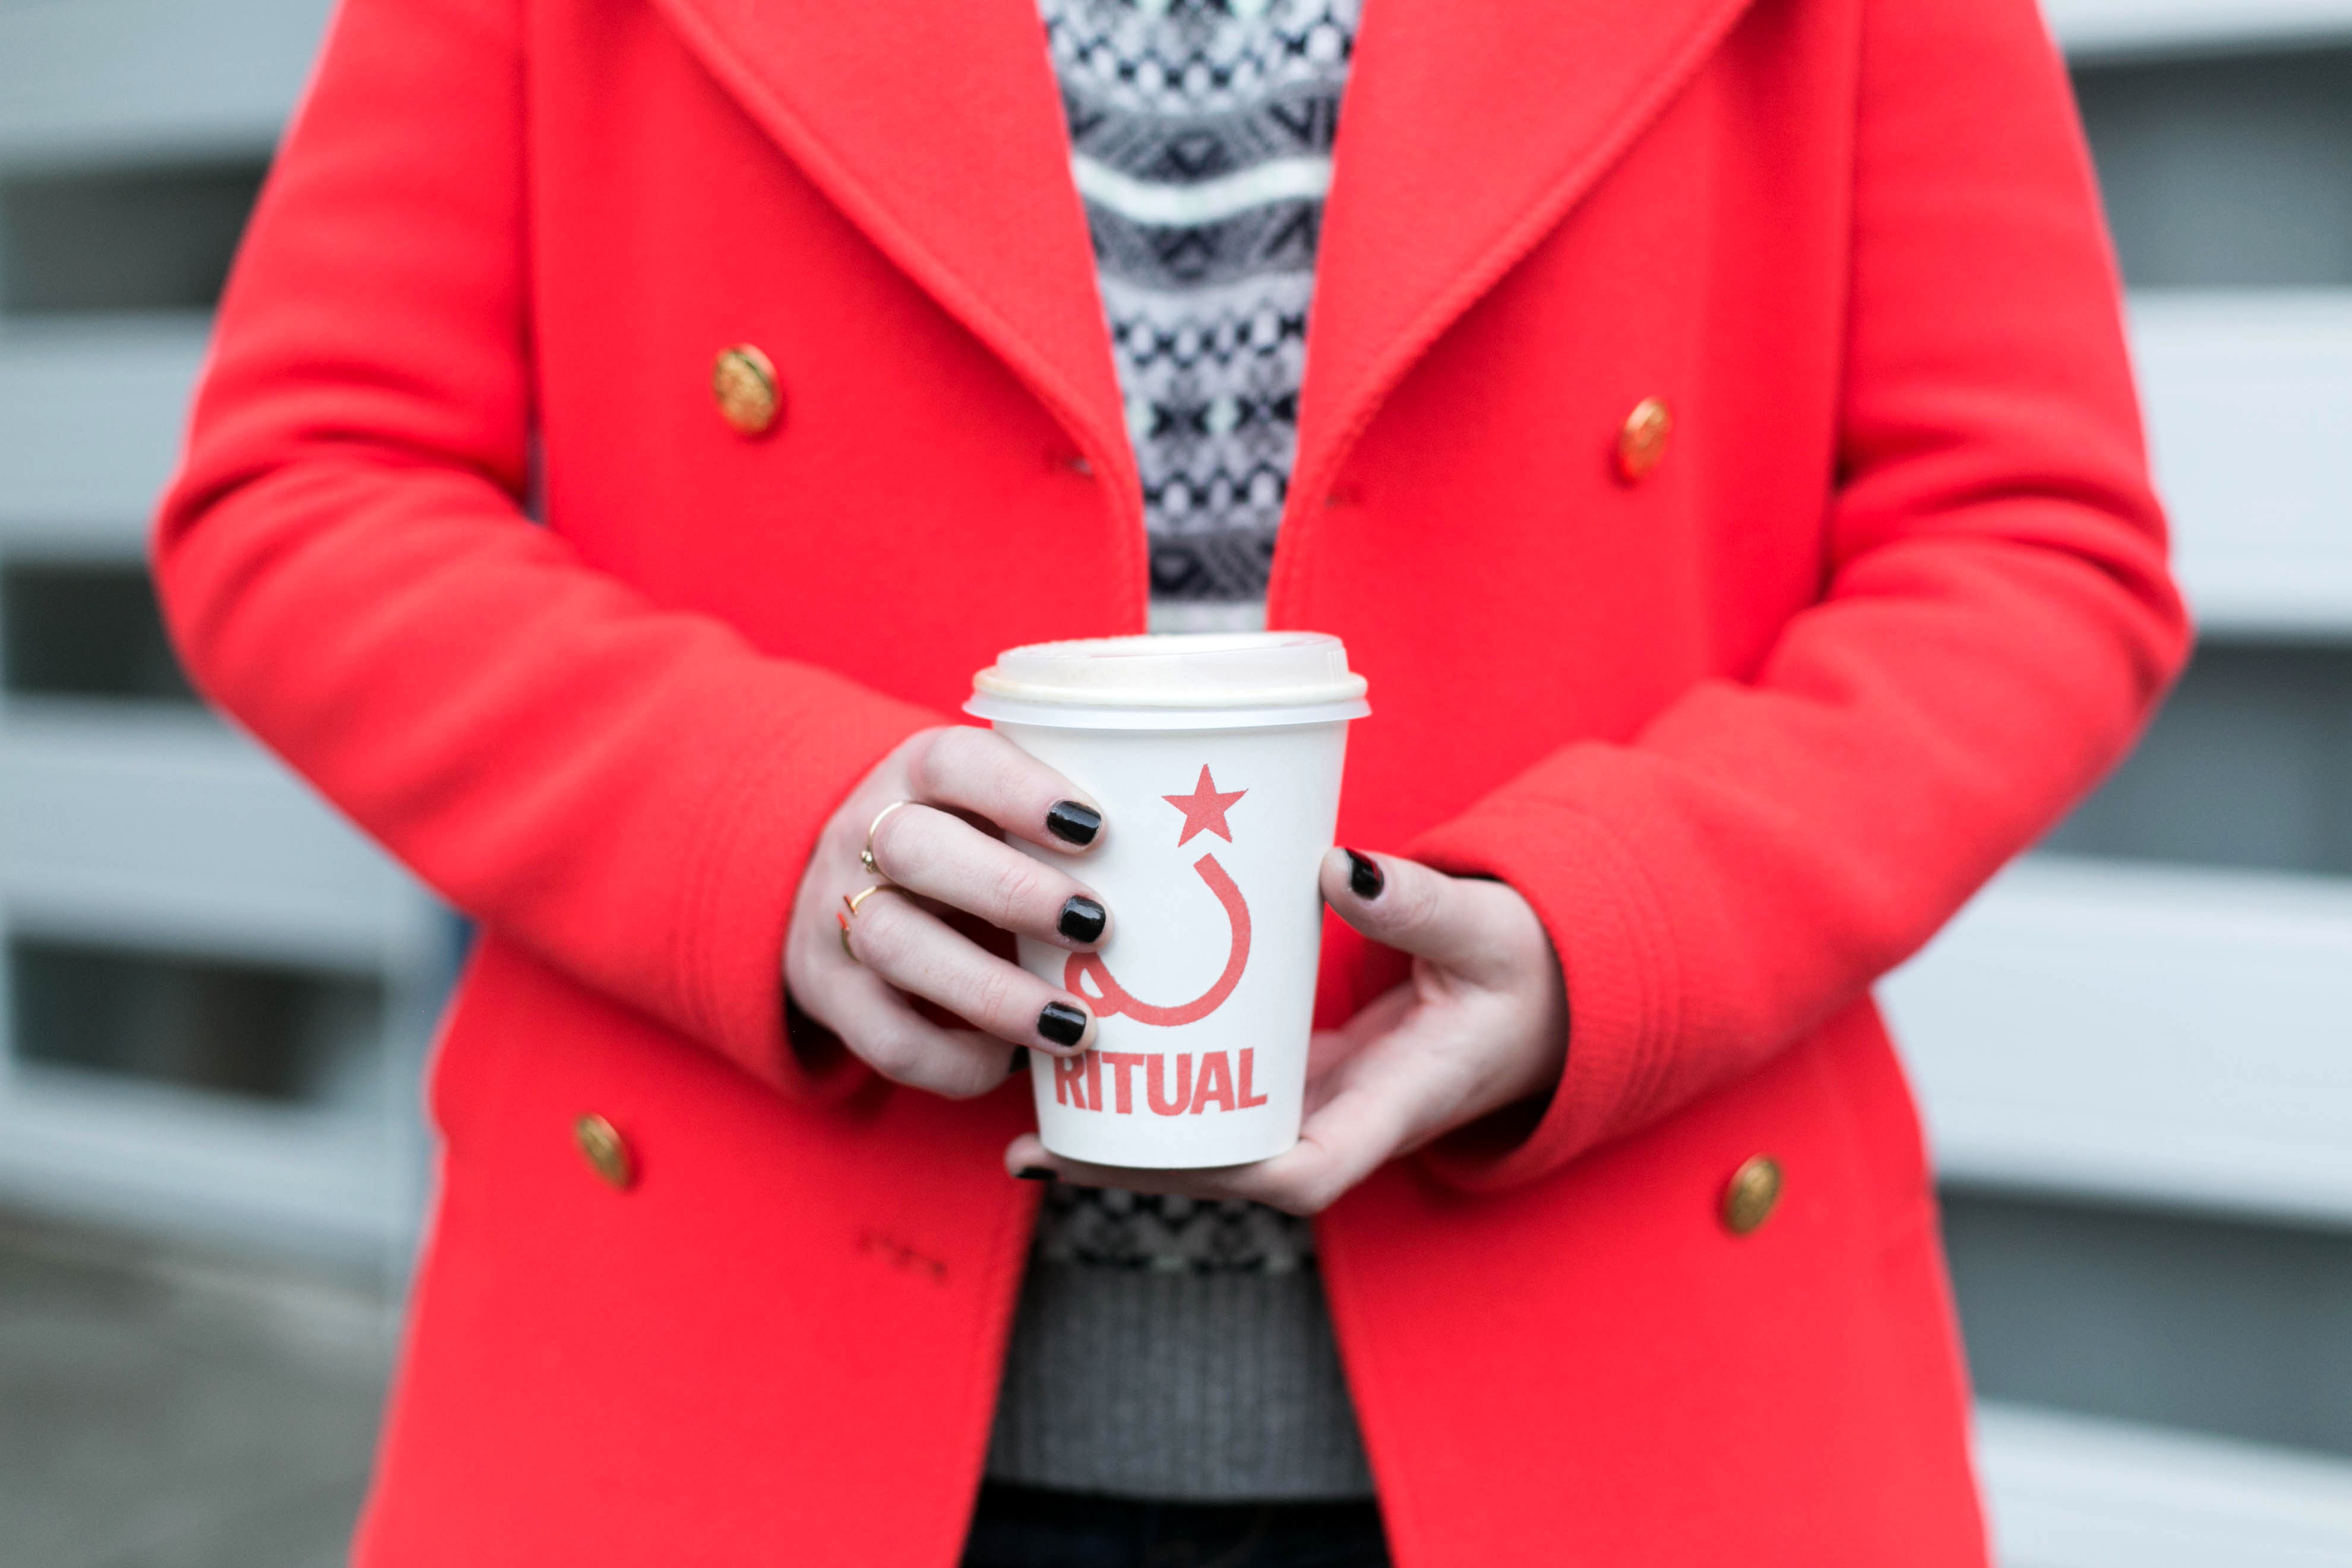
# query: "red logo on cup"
{"type": "Point", "coordinates": [1204, 811]}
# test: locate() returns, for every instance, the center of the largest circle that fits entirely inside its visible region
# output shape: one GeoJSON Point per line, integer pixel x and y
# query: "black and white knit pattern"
{"type": "Point", "coordinates": [1106, 1228]}
{"type": "Point", "coordinates": [1201, 135]}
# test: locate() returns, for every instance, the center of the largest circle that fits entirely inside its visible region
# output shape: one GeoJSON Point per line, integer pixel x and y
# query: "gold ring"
{"type": "Point", "coordinates": [853, 899]}
{"type": "Point", "coordinates": [865, 856]}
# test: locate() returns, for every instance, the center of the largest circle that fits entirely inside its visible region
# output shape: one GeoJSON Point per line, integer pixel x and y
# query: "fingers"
{"type": "Point", "coordinates": [944, 858]}
{"type": "Point", "coordinates": [1363, 1114]}
{"type": "Point", "coordinates": [981, 772]}
{"type": "Point", "coordinates": [881, 1028]}
{"type": "Point", "coordinates": [902, 945]}
{"type": "Point", "coordinates": [1327, 1049]}
{"type": "Point", "coordinates": [913, 949]}
{"type": "Point", "coordinates": [1405, 1072]}
{"type": "Point", "coordinates": [1305, 1180]}
{"type": "Point", "coordinates": [1454, 922]}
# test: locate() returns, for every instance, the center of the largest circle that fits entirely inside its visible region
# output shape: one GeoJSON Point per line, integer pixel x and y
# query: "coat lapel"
{"type": "Point", "coordinates": [937, 128]}
{"type": "Point", "coordinates": [1467, 132]}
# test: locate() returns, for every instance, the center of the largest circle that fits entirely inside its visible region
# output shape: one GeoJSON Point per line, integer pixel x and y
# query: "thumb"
{"type": "Point", "coordinates": [1404, 904]}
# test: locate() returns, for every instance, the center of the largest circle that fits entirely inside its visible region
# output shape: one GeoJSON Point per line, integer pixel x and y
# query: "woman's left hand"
{"type": "Point", "coordinates": [1481, 1024]}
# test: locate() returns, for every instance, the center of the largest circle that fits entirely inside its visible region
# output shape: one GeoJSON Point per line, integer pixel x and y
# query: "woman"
{"type": "Point", "coordinates": [1716, 445]}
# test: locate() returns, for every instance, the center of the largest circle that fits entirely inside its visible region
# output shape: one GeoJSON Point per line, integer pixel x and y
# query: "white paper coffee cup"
{"type": "Point", "coordinates": [1217, 761]}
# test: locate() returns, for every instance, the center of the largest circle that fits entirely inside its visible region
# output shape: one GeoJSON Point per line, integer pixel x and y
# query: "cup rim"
{"type": "Point", "coordinates": [1085, 716]}
{"type": "Point", "coordinates": [992, 684]}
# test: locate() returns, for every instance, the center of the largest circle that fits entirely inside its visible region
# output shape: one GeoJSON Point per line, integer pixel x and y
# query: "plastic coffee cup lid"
{"type": "Point", "coordinates": [1215, 681]}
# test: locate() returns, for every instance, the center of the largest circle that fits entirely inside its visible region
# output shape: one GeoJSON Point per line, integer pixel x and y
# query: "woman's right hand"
{"type": "Point", "coordinates": [930, 857]}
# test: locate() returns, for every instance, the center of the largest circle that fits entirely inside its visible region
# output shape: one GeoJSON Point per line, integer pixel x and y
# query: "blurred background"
{"type": "Point", "coordinates": [2135, 1051]}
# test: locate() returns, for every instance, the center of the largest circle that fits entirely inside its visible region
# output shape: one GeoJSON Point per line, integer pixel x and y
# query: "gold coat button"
{"type": "Point", "coordinates": [743, 380]}
{"type": "Point", "coordinates": [607, 1154]}
{"type": "Point", "coordinates": [1642, 441]}
{"type": "Point", "coordinates": [1749, 1196]}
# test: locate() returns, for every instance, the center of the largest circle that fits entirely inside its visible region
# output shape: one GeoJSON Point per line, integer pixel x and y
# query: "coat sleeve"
{"type": "Point", "coordinates": [628, 792]}
{"type": "Point", "coordinates": [1997, 623]}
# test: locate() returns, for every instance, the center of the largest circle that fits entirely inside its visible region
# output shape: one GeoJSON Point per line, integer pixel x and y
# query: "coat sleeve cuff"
{"type": "Point", "coordinates": [1608, 929]}
{"type": "Point", "coordinates": [745, 871]}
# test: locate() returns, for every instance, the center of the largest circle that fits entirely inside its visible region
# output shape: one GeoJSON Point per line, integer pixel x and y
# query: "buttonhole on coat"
{"type": "Point", "coordinates": [898, 1254]}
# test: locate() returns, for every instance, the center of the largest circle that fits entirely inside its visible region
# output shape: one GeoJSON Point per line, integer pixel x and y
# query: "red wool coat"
{"type": "Point", "coordinates": [1744, 732]}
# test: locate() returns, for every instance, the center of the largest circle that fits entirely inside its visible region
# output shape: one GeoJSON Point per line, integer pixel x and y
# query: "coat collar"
{"type": "Point", "coordinates": [1466, 133]}
{"type": "Point", "coordinates": [936, 126]}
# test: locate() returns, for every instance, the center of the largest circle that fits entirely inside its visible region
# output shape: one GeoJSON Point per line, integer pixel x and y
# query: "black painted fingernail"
{"type": "Point", "coordinates": [1036, 1173]}
{"type": "Point", "coordinates": [1062, 1024]}
{"type": "Point", "coordinates": [1072, 823]}
{"type": "Point", "coordinates": [1082, 919]}
{"type": "Point", "coordinates": [1020, 1061]}
{"type": "Point", "coordinates": [1364, 877]}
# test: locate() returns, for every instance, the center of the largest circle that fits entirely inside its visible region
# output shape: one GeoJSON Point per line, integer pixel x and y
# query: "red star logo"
{"type": "Point", "coordinates": [1204, 808]}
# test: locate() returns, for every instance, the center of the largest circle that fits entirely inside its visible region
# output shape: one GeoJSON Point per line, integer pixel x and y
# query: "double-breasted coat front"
{"type": "Point", "coordinates": [461, 535]}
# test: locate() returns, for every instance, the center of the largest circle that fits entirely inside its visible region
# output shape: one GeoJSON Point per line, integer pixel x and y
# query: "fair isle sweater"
{"type": "Point", "coordinates": [1163, 1347]}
